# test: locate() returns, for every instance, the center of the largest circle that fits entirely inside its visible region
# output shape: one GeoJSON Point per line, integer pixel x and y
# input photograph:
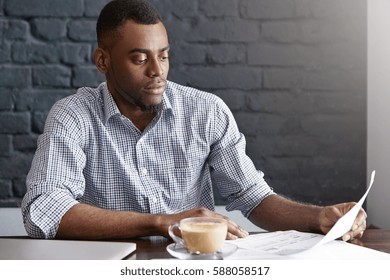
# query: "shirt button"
{"type": "Point", "coordinates": [144, 171]}
{"type": "Point", "coordinates": [141, 141]}
{"type": "Point", "coordinates": [154, 199]}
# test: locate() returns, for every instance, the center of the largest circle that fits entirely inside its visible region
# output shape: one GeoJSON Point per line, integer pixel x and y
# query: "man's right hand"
{"type": "Point", "coordinates": [234, 230]}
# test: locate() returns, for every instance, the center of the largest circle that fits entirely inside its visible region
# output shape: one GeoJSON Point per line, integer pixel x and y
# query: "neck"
{"type": "Point", "coordinates": [138, 117]}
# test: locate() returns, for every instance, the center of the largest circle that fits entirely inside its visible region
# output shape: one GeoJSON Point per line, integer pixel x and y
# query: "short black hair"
{"type": "Point", "coordinates": [117, 12]}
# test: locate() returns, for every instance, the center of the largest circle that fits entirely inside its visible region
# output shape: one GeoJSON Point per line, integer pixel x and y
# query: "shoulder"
{"type": "Point", "coordinates": [84, 98]}
{"type": "Point", "coordinates": [189, 97]}
{"type": "Point", "coordinates": [76, 110]}
{"type": "Point", "coordinates": [85, 101]}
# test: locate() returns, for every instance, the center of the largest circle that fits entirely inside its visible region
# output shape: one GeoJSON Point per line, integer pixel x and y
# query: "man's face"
{"type": "Point", "coordinates": [138, 65]}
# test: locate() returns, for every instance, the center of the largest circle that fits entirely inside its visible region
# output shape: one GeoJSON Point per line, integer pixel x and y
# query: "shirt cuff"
{"type": "Point", "coordinates": [47, 211]}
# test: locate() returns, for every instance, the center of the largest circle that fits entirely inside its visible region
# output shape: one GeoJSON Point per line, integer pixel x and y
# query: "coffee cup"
{"type": "Point", "coordinates": [202, 235]}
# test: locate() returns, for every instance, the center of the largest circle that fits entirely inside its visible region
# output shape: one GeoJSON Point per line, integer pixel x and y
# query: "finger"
{"type": "Point", "coordinates": [360, 219]}
{"type": "Point", "coordinates": [358, 232]}
{"type": "Point", "coordinates": [354, 234]}
{"type": "Point", "coordinates": [235, 231]}
{"type": "Point", "coordinates": [359, 225]}
{"type": "Point", "coordinates": [347, 236]}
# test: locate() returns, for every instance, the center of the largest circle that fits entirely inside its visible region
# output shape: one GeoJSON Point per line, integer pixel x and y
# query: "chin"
{"type": "Point", "coordinates": [152, 107]}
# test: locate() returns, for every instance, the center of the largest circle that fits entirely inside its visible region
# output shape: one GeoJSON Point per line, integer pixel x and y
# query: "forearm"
{"type": "Point", "coordinates": [278, 213]}
{"type": "Point", "coordinates": [83, 221]}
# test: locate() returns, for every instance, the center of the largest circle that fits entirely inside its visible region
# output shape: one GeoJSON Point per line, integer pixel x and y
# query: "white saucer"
{"type": "Point", "coordinates": [180, 252]}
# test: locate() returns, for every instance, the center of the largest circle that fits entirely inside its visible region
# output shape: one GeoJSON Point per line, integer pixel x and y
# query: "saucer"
{"type": "Point", "coordinates": [181, 252]}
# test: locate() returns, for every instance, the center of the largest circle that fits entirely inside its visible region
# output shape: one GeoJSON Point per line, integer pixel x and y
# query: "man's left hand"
{"type": "Point", "coordinates": [330, 215]}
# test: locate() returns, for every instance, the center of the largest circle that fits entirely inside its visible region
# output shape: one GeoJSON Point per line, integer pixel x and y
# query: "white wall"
{"type": "Point", "coordinates": [378, 138]}
{"type": "Point", "coordinates": [11, 222]}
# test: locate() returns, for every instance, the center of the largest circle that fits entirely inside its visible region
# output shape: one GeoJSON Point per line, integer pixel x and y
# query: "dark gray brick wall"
{"type": "Point", "coordinates": [292, 71]}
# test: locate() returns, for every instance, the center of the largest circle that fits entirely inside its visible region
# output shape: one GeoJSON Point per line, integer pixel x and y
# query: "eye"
{"type": "Point", "coordinates": [164, 56]}
{"type": "Point", "coordinates": [138, 59]}
{"type": "Point", "coordinates": [141, 61]}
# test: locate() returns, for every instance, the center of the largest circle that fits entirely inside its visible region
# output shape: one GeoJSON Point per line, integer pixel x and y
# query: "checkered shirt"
{"type": "Point", "coordinates": [90, 153]}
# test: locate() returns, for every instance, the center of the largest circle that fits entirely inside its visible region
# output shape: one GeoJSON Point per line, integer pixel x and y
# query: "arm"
{"type": "Point", "coordinates": [278, 213]}
{"type": "Point", "coordinates": [83, 221]}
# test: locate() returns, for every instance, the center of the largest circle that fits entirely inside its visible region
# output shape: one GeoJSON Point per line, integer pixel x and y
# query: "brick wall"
{"type": "Point", "coordinates": [292, 71]}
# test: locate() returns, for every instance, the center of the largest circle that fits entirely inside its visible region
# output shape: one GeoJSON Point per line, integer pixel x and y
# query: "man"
{"type": "Point", "coordinates": [139, 153]}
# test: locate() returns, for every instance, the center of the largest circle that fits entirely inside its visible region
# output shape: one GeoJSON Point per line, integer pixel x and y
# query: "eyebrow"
{"type": "Point", "coordinates": [138, 50]}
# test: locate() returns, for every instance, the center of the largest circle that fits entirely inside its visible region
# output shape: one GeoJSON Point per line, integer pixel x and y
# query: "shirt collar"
{"type": "Point", "coordinates": [111, 109]}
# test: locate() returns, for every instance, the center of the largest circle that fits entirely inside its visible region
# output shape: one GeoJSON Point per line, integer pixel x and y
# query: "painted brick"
{"type": "Point", "coordinates": [87, 76]}
{"type": "Point", "coordinates": [39, 99]}
{"type": "Point", "coordinates": [267, 9]}
{"type": "Point", "coordinates": [48, 28]}
{"type": "Point", "coordinates": [92, 7]}
{"type": "Point", "coordinates": [267, 54]}
{"type": "Point", "coordinates": [188, 54]}
{"type": "Point", "coordinates": [227, 30]}
{"type": "Point", "coordinates": [281, 31]}
{"type": "Point", "coordinates": [19, 187]}
{"type": "Point", "coordinates": [71, 53]}
{"type": "Point", "coordinates": [180, 9]}
{"type": "Point", "coordinates": [15, 76]}
{"type": "Point", "coordinates": [234, 77]}
{"type": "Point", "coordinates": [13, 167]}
{"type": "Point", "coordinates": [14, 123]}
{"type": "Point", "coordinates": [5, 52]}
{"type": "Point", "coordinates": [25, 143]}
{"type": "Point", "coordinates": [52, 76]}
{"type": "Point", "coordinates": [5, 189]}
{"type": "Point", "coordinates": [2, 27]}
{"type": "Point", "coordinates": [335, 79]}
{"type": "Point", "coordinates": [284, 78]}
{"type": "Point", "coordinates": [15, 30]}
{"type": "Point", "coordinates": [82, 30]}
{"type": "Point", "coordinates": [5, 145]}
{"type": "Point", "coordinates": [234, 99]}
{"type": "Point", "coordinates": [226, 53]}
{"type": "Point", "coordinates": [50, 8]}
{"type": "Point", "coordinates": [34, 53]}
{"type": "Point", "coordinates": [6, 102]}
{"type": "Point", "coordinates": [218, 8]}
{"type": "Point", "coordinates": [38, 122]}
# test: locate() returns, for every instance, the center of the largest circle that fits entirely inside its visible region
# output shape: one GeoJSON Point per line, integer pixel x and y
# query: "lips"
{"type": "Point", "coordinates": [156, 87]}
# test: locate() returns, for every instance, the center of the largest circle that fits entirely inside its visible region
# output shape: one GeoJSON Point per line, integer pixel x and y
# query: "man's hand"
{"type": "Point", "coordinates": [330, 214]}
{"type": "Point", "coordinates": [234, 230]}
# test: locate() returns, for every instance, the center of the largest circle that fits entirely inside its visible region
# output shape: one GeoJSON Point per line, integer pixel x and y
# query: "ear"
{"type": "Point", "coordinates": [101, 60]}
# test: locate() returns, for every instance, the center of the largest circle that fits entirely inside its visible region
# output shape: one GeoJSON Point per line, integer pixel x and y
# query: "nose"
{"type": "Point", "coordinates": [155, 68]}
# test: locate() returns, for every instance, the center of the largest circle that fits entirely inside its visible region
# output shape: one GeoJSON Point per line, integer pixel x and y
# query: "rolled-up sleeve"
{"type": "Point", "coordinates": [232, 171]}
{"type": "Point", "coordinates": [55, 181]}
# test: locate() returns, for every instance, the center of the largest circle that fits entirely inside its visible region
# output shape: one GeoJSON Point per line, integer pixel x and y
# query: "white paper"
{"type": "Point", "coordinates": [344, 224]}
{"type": "Point", "coordinates": [279, 242]}
{"type": "Point", "coordinates": [260, 246]}
{"type": "Point", "coordinates": [294, 242]}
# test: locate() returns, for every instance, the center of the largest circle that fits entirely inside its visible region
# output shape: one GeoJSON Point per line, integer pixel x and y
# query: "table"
{"type": "Point", "coordinates": [155, 247]}
{"type": "Point", "coordinates": [377, 239]}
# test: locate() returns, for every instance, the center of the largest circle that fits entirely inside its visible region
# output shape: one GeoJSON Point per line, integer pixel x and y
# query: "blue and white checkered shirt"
{"type": "Point", "coordinates": [90, 153]}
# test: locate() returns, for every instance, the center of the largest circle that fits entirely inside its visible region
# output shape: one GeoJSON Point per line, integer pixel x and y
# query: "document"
{"type": "Point", "coordinates": [344, 224]}
{"type": "Point", "coordinates": [283, 243]}
{"type": "Point", "coordinates": [294, 245]}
